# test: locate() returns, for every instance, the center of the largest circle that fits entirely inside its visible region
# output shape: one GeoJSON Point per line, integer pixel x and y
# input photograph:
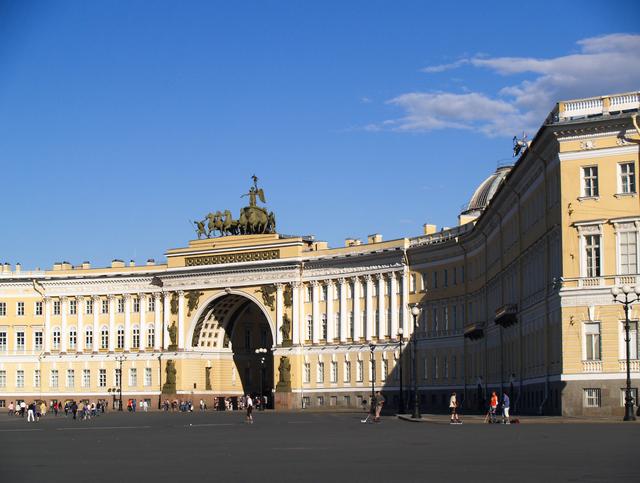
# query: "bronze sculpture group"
{"type": "Point", "coordinates": [253, 219]}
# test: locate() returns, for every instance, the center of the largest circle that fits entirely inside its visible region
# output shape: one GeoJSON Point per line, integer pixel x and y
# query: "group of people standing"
{"type": "Point", "coordinates": [37, 409]}
{"type": "Point", "coordinates": [492, 414]}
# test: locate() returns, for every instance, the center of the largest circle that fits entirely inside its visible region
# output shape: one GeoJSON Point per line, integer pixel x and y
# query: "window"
{"type": "Point", "coordinates": [86, 377]}
{"type": "Point", "coordinates": [102, 378]}
{"type": "Point", "coordinates": [360, 371]}
{"type": "Point", "coordinates": [435, 279]}
{"type": "Point", "coordinates": [347, 371]}
{"type": "Point", "coordinates": [71, 378]}
{"type": "Point", "coordinates": [627, 178]}
{"type": "Point", "coordinates": [320, 375]}
{"type": "Point", "coordinates": [590, 181]}
{"type": "Point", "coordinates": [592, 398]}
{"type": "Point", "coordinates": [628, 248]}
{"type": "Point", "coordinates": [20, 341]}
{"type": "Point", "coordinates": [320, 400]}
{"type": "Point", "coordinates": [73, 307]}
{"type": "Point", "coordinates": [53, 378]}
{"type": "Point", "coordinates": [454, 369]}
{"type": "Point", "coordinates": [73, 338]}
{"type": "Point", "coordinates": [372, 370]}
{"type": "Point", "coordinates": [120, 337]}
{"type": "Point", "coordinates": [147, 376]}
{"type": "Point", "coordinates": [88, 337]}
{"type": "Point", "coordinates": [412, 283]}
{"type": "Point", "coordinates": [56, 338]}
{"type": "Point", "coordinates": [104, 338]}
{"type": "Point", "coordinates": [3, 378]}
{"type": "Point", "coordinates": [309, 327]}
{"type": "Point", "coordinates": [56, 307]}
{"type": "Point", "coordinates": [445, 282]}
{"type": "Point", "coordinates": [633, 341]}
{"type": "Point", "coordinates": [435, 367]}
{"type": "Point", "coordinates": [334, 371]}
{"type": "Point", "coordinates": [308, 293]}
{"type": "Point", "coordinates": [324, 326]}
{"type": "Point", "coordinates": [445, 368]}
{"type": "Point", "coordinates": [434, 321]}
{"type": "Point", "coordinates": [3, 341]}
{"type": "Point", "coordinates": [19, 378]}
{"type": "Point", "coordinates": [120, 305]}
{"type": "Point", "coordinates": [455, 276]}
{"type": "Point", "coordinates": [151, 336]}
{"type": "Point", "coordinates": [88, 306]}
{"type": "Point", "coordinates": [307, 372]}
{"type": "Point", "coordinates": [151, 301]}
{"type": "Point", "coordinates": [3, 309]}
{"type": "Point", "coordinates": [592, 341]}
{"type": "Point", "coordinates": [323, 293]}
{"type": "Point", "coordinates": [36, 378]}
{"type": "Point", "coordinates": [38, 340]}
{"type": "Point", "coordinates": [133, 376]}
{"type": "Point", "coordinates": [425, 368]}
{"type": "Point", "coordinates": [135, 340]}
{"type": "Point", "coordinates": [352, 327]}
{"type": "Point", "coordinates": [117, 379]}
{"type": "Point", "coordinates": [385, 369]}
{"type": "Point", "coordinates": [105, 306]}
{"type": "Point", "coordinates": [136, 304]}
{"type": "Point", "coordinates": [592, 255]}
{"type": "Point", "coordinates": [20, 308]}
{"type": "Point", "coordinates": [38, 308]}
{"type": "Point", "coordinates": [634, 395]}
{"type": "Point", "coordinates": [461, 274]}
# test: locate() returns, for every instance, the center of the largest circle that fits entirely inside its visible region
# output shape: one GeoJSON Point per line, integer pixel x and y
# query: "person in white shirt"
{"type": "Point", "coordinates": [453, 406]}
{"type": "Point", "coordinates": [249, 404]}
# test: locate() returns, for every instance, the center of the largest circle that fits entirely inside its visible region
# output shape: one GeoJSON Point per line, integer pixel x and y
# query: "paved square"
{"type": "Point", "coordinates": [309, 447]}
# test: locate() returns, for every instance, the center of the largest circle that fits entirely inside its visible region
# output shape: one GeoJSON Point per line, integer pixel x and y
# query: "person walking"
{"type": "Point", "coordinates": [379, 402]}
{"type": "Point", "coordinates": [12, 411]}
{"type": "Point", "coordinates": [493, 406]}
{"type": "Point", "coordinates": [453, 407]}
{"type": "Point", "coordinates": [31, 416]}
{"type": "Point", "coordinates": [249, 404]}
{"type": "Point", "coordinates": [505, 408]}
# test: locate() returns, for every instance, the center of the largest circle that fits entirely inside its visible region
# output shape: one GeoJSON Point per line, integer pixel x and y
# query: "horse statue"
{"type": "Point", "coordinates": [229, 225]}
{"type": "Point", "coordinates": [217, 222]}
{"type": "Point", "coordinates": [211, 225]}
{"type": "Point", "coordinates": [200, 229]}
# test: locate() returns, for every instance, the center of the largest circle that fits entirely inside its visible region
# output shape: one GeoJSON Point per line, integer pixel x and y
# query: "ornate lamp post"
{"type": "Point", "coordinates": [262, 354]}
{"type": "Point", "coordinates": [415, 311]}
{"type": "Point", "coordinates": [120, 359]}
{"type": "Point", "coordinates": [401, 398]}
{"type": "Point", "coordinates": [623, 297]}
{"type": "Point", "coordinates": [372, 347]}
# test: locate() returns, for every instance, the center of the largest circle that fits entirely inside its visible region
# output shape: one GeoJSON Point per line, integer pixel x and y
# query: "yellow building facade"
{"type": "Point", "coordinates": [516, 298]}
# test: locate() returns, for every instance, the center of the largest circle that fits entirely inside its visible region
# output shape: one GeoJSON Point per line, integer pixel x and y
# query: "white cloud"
{"type": "Point", "coordinates": [603, 65]}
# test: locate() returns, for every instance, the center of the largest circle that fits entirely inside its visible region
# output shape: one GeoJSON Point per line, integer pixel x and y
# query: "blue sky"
{"type": "Point", "coordinates": [120, 121]}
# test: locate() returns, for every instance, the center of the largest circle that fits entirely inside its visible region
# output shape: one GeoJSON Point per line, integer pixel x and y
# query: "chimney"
{"type": "Point", "coordinates": [66, 266]}
{"type": "Point", "coordinates": [151, 261]}
{"type": "Point", "coordinates": [18, 268]}
{"type": "Point", "coordinates": [57, 266]}
{"type": "Point", "coordinates": [115, 263]}
{"type": "Point", "coordinates": [429, 229]}
{"type": "Point", "coordinates": [375, 238]}
{"type": "Point", "coordinates": [86, 265]}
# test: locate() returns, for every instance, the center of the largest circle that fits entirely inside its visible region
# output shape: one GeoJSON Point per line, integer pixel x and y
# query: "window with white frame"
{"type": "Point", "coordinates": [3, 378]}
{"type": "Point", "coordinates": [148, 376]}
{"type": "Point", "coordinates": [73, 307]}
{"type": "Point", "coordinates": [627, 178]}
{"type": "Point", "coordinates": [151, 304]}
{"type": "Point", "coordinates": [412, 283]}
{"type": "Point", "coordinates": [88, 306]}
{"type": "Point", "coordinates": [590, 181]}
{"type": "Point", "coordinates": [102, 378]}
{"type": "Point", "coordinates": [592, 341]}
{"type": "Point", "coordinates": [73, 338]}
{"type": "Point", "coordinates": [320, 375]}
{"type": "Point", "coordinates": [309, 327]}
{"type": "Point", "coordinates": [88, 336]}
{"type": "Point", "coordinates": [133, 376]}
{"type": "Point", "coordinates": [37, 310]}
{"type": "Point", "coordinates": [120, 337]}
{"type": "Point", "coordinates": [308, 293]}
{"type": "Point", "coordinates": [360, 371]}
{"type": "Point", "coordinates": [592, 255]}
{"type": "Point", "coordinates": [38, 339]}
{"type": "Point", "coordinates": [3, 341]}
{"type": "Point", "coordinates": [347, 371]}
{"type": "Point", "coordinates": [20, 378]}
{"type": "Point", "coordinates": [36, 378]}
{"type": "Point", "coordinates": [435, 367]}
{"type": "Point", "coordinates": [20, 308]}
{"type": "Point", "coordinates": [634, 348]}
{"type": "Point", "coordinates": [628, 250]}
{"type": "Point", "coordinates": [307, 372]}
{"type": "Point", "coordinates": [324, 327]}
{"type": "Point", "coordinates": [105, 306]}
{"type": "Point", "coordinates": [117, 377]}
{"type": "Point", "coordinates": [372, 370]}
{"type": "Point", "coordinates": [323, 293]}
{"type": "Point", "coordinates": [425, 369]}
{"type": "Point", "coordinates": [623, 395]}
{"type": "Point", "coordinates": [3, 309]}
{"type": "Point", "coordinates": [71, 378]}
{"type": "Point", "coordinates": [135, 340]}
{"type": "Point", "coordinates": [120, 305]}
{"type": "Point", "coordinates": [151, 336]}
{"type": "Point", "coordinates": [20, 341]}
{"type": "Point", "coordinates": [385, 370]}
{"type": "Point", "coordinates": [104, 337]}
{"type": "Point", "coordinates": [136, 304]}
{"type": "Point", "coordinates": [86, 378]}
{"type": "Point", "coordinates": [56, 307]}
{"type": "Point", "coordinates": [592, 398]}
{"type": "Point", "coordinates": [56, 338]}
{"type": "Point", "coordinates": [334, 371]}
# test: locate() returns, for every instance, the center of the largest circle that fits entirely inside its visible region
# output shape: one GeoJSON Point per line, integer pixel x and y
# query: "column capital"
{"type": "Point", "coordinates": [126, 296]}
{"type": "Point", "coordinates": [379, 276]}
{"type": "Point", "coordinates": [111, 297]}
{"type": "Point", "coordinates": [95, 298]}
{"type": "Point", "coordinates": [79, 298]}
{"type": "Point", "coordinates": [166, 296]}
{"type": "Point", "coordinates": [180, 293]}
{"type": "Point", "coordinates": [63, 298]}
{"type": "Point", "coordinates": [342, 281]}
{"type": "Point", "coordinates": [141, 295]}
{"type": "Point", "coordinates": [315, 283]}
{"type": "Point", "coordinates": [368, 278]}
{"type": "Point", "coordinates": [296, 284]}
{"type": "Point", "coordinates": [279, 285]}
{"type": "Point", "coordinates": [330, 283]}
{"type": "Point", "coordinates": [157, 295]}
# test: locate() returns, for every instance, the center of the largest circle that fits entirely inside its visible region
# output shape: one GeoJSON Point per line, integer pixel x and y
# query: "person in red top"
{"type": "Point", "coordinates": [493, 406]}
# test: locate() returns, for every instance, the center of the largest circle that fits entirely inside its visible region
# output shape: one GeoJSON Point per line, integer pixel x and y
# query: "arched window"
{"type": "Point", "coordinates": [120, 339]}
{"type": "Point", "coordinates": [104, 337]}
{"type": "Point", "coordinates": [135, 342]}
{"type": "Point", "coordinates": [88, 336]}
{"type": "Point", "coordinates": [73, 338]}
{"type": "Point", "coordinates": [56, 338]}
{"type": "Point", "coordinates": [151, 336]}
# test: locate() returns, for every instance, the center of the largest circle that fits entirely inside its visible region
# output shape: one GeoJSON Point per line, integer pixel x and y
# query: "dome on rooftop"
{"type": "Point", "coordinates": [483, 194]}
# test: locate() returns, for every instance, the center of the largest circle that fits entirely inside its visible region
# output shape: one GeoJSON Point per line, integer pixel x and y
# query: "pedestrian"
{"type": "Point", "coordinates": [493, 406]}
{"type": "Point", "coordinates": [74, 409]}
{"type": "Point", "coordinates": [12, 411]}
{"type": "Point", "coordinates": [31, 413]}
{"type": "Point", "coordinates": [23, 408]}
{"type": "Point", "coordinates": [379, 403]}
{"type": "Point", "coordinates": [249, 404]}
{"type": "Point", "coordinates": [453, 407]}
{"type": "Point", "coordinates": [505, 408]}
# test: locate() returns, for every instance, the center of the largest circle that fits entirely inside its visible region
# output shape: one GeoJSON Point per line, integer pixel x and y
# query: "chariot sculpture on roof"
{"type": "Point", "coordinates": [253, 219]}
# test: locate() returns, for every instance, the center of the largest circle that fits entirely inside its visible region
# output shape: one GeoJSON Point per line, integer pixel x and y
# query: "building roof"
{"type": "Point", "coordinates": [483, 194]}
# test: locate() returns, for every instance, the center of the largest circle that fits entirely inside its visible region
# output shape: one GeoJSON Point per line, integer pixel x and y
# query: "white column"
{"type": "Point", "coordinates": [180, 320]}
{"type": "Point", "coordinates": [382, 313]}
{"type": "Point", "coordinates": [279, 312]}
{"type": "Point", "coordinates": [330, 315]}
{"type": "Point", "coordinates": [47, 326]}
{"type": "Point", "coordinates": [96, 322]}
{"type": "Point", "coordinates": [315, 310]}
{"type": "Point", "coordinates": [127, 321]}
{"type": "Point", "coordinates": [407, 326]}
{"type": "Point", "coordinates": [64, 337]}
{"type": "Point", "coordinates": [369, 308]}
{"type": "Point", "coordinates": [112, 324]}
{"type": "Point", "coordinates": [393, 299]}
{"type": "Point", "coordinates": [344, 310]}
{"type": "Point", "coordinates": [142, 299]}
{"type": "Point", "coordinates": [157, 320]}
{"type": "Point", "coordinates": [295, 323]}
{"type": "Point", "coordinates": [166, 313]}
{"type": "Point", "coordinates": [356, 309]}
{"type": "Point", "coordinates": [80, 329]}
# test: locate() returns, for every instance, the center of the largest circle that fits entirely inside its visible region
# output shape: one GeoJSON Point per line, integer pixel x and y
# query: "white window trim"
{"type": "Point", "coordinates": [583, 193]}
{"type": "Point", "coordinates": [590, 228]}
{"type": "Point", "coordinates": [584, 338]}
{"type": "Point", "coordinates": [619, 178]}
{"type": "Point", "coordinates": [623, 227]}
{"type": "Point", "coordinates": [622, 345]}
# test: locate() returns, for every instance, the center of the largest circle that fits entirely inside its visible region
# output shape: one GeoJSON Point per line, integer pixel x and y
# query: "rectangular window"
{"type": "Point", "coordinates": [307, 372]}
{"type": "Point", "coordinates": [590, 181]}
{"type": "Point", "coordinates": [3, 378]}
{"type": "Point", "coordinates": [147, 376]}
{"type": "Point", "coordinates": [3, 341]}
{"type": "Point", "coordinates": [38, 340]}
{"type": "Point", "coordinates": [135, 339]}
{"type": "Point", "coordinates": [446, 278]}
{"type": "Point", "coordinates": [308, 294]}
{"type": "Point", "coordinates": [634, 395]}
{"type": "Point", "coordinates": [425, 369]}
{"type": "Point", "coordinates": [56, 307]}
{"type": "Point", "coordinates": [324, 327]}
{"type": "Point", "coordinates": [372, 370]}
{"type": "Point", "coordinates": [151, 336]}
{"type": "Point", "coordinates": [19, 378]}
{"type": "Point", "coordinates": [627, 177]}
{"type": "Point", "coordinates": [151, 304]}
{"type": "Point", "coordinates": [36, 378]}
{"type": "Point", "coordinates": [38, 308]}
{"type": "Point", "coordinates": [455, 276]}
{"type": "Point", "coordinates": [347, 371]}
{"type": "Point", "coordinates": [105, 306]}
{"type": "Point", "coordinates": [88, 306]}
{"type": "Point", "coordinates": [435, 279]}
{"type": "Point", "coordinates": [71, 378]}
{"type": "Point", "coordinates": [116, 378]}
{"type": "Point", "coordinates": [102, 378]}
{"type": "Point", "coordinates": [53, 378]}
{"type": "Point", "coordinates": [133, 376]}
{"type": "Point", "coordinates": [56, 339]}
{"type": "Point", "coordinates": [360, 371]}
{"type": "Point", "coordinates": [20, 308]}
{"type": "Point", "coordinates": [104, 338]}
{"type": "Point", "coordinates": [628, 248]}
{"type": "Point", "coordinates": [120, 305]}
{"type": "Point", "coordinates": [309, 327]}
{"type": "Point", "coordinates": [435, 367]}
{"type": "Point", "coordinates": [73, 307]}
{"type": "Point", "coordinates": [385, 369]}
{"type": "Point", "coordinates": [592, 398]}
{"type": "Point", "coordinates": [334, 372]}
{"type": "Point", "coordinates": [136, 304]}
{"type": "Point", "coordinates": [88, 337]}
{"type": "Point", "coordinates": [20, 341]}
{"type": "Point", "coordinates": [592, 341]}
{"type": "Point", "coordinates": [634, 349]}
{"type": "Point", "coordinates": [73, 338]}
{"type": "Point", "coordinates": [86, 377]}
{"type": "Point", "coordinates": [412, 283]}
{"type": "Point", "coordinates": [3, 309]}
{"type": "Point", "coordinates": [592, 255]}
{"type": "Point", "coordinates": [320, 400]}
{"type": "Point", "coordinates": [320, 375]}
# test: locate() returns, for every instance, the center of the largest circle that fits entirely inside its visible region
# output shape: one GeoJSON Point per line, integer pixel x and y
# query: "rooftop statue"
{"type": "Point", "coordinates": [253, 219]}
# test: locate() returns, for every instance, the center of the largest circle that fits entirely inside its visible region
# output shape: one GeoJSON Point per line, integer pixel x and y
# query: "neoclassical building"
{"type": "Point", "coordinates": [516, 297]}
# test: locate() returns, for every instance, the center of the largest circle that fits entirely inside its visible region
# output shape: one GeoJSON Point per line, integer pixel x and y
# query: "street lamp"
{"type": "Point", "coordinates": [401, 399]}
{"type": "Point", "coordinates": [415, 311]}
{"type": "Point", "coordinates": [372, 347]}
{"type": "Point", "coordinates": [262, 354]}
{"type": "Point", "coordinates": [626, 302]}
{"type": "Point", "coordinates": [120, 359]}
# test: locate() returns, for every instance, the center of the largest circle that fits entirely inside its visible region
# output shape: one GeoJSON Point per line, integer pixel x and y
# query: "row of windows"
{"type": "Point", "coordinates": [54, 378]}
{"type": "Point", "coordinates": [626, 180]}
{"type": "Point", "coordinates": [592, 341]}
{"type": "Point", "coordinates": [379, 329]}
{"type": "Point", "coordinates": [439, 278]}
{"type": "Point", "coordinates": [346, 373]}
{"type": "Point", "coordinates": [72, 307]}
{"type": "Point", "coordinates": [627, 254]}
{"type": "Point", "coordinates": [323, 290]}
